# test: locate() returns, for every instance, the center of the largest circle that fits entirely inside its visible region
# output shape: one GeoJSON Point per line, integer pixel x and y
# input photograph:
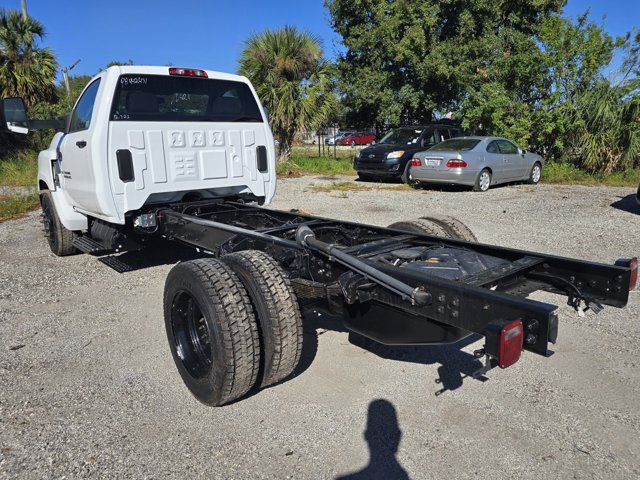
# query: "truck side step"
{"type": "Point", "coordinates": [89, 245]}
{"type": "Point", "coordinates": [116, 264]}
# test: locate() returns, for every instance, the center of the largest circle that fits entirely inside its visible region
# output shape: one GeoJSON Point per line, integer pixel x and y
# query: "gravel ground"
{"type": "Point", "coordinates": [88, 387]}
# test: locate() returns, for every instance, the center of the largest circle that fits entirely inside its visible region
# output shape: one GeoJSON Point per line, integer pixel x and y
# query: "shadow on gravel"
{"type": "Point", "coordinates": [383, 437]}
{"type": "Point", "coordinates": [455, 364]}
{"type": "Point", "coordinates": [157, 252]}
{"type": "Point", "coordinates": [627, 204]}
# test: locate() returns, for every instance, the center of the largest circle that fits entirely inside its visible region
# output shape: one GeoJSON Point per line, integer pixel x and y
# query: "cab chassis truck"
{"type": "Point", "coordinates": [154, 155]}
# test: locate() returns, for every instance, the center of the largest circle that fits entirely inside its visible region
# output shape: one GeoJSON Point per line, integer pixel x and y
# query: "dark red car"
{"type": "Point", "coordinates": [359, 138]}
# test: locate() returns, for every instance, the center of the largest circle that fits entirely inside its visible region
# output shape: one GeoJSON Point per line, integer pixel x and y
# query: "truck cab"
{"type": "Point", "coordinates": [141, 135]}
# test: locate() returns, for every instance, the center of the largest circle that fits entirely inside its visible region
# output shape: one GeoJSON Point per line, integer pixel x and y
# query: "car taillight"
{"type": "Point", "coordinates": [188, 72]}
{"type": "Point", "coordinates": [510, 345]}
{"type": "Point", "coordinates": [456, 164]}
{"type": "Point", "coordinates": [416, 162]}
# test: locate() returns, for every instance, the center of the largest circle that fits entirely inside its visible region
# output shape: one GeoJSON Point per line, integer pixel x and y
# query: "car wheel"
{"type": "Point", "coordinates": [353, 144]}
{"type": "Point", "coordinates": [365, 177]}
{"type": "Point", "coordinates": [406, 177]}
{"type": "Point", "coordinates": [535, 174]}
{"type": "Point", "coordinates": [212, 330]}
{"type": "Point", "coordinates": [483, 182]}
{"type": "Point", "coordinates": [276, 309]}
{"type": "Point", "coordinates": [60, 239]}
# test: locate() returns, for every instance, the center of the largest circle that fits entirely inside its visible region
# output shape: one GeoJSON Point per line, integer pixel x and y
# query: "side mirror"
{"type": "Point", "coordinates": [13, 115]}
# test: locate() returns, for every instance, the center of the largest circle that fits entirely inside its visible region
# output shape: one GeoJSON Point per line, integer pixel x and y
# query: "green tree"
{"type": "Point", "coordinates": [405, 59]}
{"type": "Point", "coordinates": [25, 69]}
{"type": "Point", "coordinates": [575, 56]}
{"type": "Point", "coordinates": [292, 80]}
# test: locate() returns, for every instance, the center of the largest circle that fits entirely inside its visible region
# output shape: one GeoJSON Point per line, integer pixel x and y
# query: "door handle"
{"type": "Point", "coordinates": [81, 143]}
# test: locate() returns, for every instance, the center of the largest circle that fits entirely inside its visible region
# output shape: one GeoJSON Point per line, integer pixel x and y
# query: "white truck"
{"type": "Point", "coordinates": [187, 155]}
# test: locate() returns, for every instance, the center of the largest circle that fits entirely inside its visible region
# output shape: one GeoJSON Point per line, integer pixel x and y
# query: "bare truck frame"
{"type": "Point", "coordinates": [397, 286]}
{"type": "Point", "coordinates": [187, 155]}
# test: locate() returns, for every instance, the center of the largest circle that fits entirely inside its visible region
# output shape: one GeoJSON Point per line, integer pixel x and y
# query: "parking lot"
{"type": "Point", "coordinates": [88, 386]}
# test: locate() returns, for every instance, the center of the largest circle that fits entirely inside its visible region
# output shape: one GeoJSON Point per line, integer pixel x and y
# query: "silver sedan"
{"type": "Point", "coordinates": [475, 161]}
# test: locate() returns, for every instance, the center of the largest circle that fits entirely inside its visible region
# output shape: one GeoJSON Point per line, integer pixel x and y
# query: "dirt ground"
{"type": "Point", "coordinates": [88, 387]}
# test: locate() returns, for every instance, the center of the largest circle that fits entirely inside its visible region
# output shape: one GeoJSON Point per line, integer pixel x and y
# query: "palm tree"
{"type": "Point", "coordinates": [292, 80]}
{"type": "Point", "coordinates": [25, 70]}
{"type": "Point", "coordinates": [608, 137]}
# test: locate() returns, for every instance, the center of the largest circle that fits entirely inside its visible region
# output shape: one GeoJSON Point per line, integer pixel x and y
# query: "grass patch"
{"type": "Point", "coordinates": [19, 169]}
{"type": "Point", "coordinates": [570, 175]}
{"type": "Point", "coordinates": [312, 151]}
{"type": "Point", "coordinates": [297, 166]}
{"type": "Point", "coordinates": [15, 206]}
{"type": "Point", "coordinates": [338, 187]}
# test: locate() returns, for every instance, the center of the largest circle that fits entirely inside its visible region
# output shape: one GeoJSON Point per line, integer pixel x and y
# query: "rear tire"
{"type": "Point", "coordinates": [277, 311]}
{"type": "Point", "coordinates": [535, 174]}
{"type": "Point", "coordinates": [455, 228]}
{"type": "Point", "coordinates": [60, 239]}
{"type": "Point", "coordinates": [483, 182]}
{"type": "Point", "coordinates": [422, 226]}
{"type": "Point", "coordinates": [212, 331]}
{"type": "Point", "coordinates": [437, 226]}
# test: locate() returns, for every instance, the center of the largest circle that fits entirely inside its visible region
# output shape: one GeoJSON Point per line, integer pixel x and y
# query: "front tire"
{"type": "Point", "coordinates": [365, 177]}
{"type": "Point", "coordinates": [406, 177]}
{"type": "Point", "coordinates": [277, 311]}
{"type": "Point", "coordinates": [212, 330]}
{"type": "Point", "coordinates": [60, 239]}
{"type": "Point", "coordinates": [483, 182]}
{"type": "Point", "coordinates": [535, 174]}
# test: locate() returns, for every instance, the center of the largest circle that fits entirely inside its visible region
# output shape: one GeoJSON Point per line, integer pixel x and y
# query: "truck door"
{"type": "Point", "coordinates": [77, 177]}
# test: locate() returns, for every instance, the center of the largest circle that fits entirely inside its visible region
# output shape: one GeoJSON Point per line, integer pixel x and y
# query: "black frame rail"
{"type": "Point", "coordinates": [335, 257]}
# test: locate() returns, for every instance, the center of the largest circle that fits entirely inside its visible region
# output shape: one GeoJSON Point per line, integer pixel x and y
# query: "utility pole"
{"type": "Point", "coordinates": [65, 74]}
{"type": "Point", "coordinates": [25, 15]}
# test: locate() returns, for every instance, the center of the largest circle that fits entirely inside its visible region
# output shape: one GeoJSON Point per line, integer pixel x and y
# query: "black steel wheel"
{"type": "Point", "coordinates": [277, 311]}
{"type": "Point", "coordinates": [212, 331]}
{"type": "Point", "coordinates": [60, 239]}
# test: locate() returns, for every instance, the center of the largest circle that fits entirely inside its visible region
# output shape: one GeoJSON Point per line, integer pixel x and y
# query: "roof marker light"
{"type": "Point", "coordinates": [187, 72]}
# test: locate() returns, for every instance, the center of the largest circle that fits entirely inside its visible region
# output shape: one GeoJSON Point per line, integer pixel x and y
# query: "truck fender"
{"type": "Point", "coordinates": [71, 219]}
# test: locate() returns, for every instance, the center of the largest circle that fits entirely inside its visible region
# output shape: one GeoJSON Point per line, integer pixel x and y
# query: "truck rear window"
{"type": "Point", "coordinates": [160, 98]}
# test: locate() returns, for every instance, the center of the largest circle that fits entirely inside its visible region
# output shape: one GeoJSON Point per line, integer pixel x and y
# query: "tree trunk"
{"type": "Point", "coordinates": [284, 150]}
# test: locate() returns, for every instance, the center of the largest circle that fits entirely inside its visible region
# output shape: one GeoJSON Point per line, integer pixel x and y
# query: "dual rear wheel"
{"type": "Point", "coordinates": [232, 324]}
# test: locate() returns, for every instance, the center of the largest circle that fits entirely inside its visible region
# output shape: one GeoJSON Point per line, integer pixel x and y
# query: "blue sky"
{"type": "Point", "coordinates": [209, 34]}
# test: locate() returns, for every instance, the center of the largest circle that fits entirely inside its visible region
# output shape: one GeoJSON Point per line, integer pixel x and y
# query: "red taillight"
{"type": "Point", "coordinates": [416, 162]}
{"type": "Point", "coordinates": [188, 72]}
{"type": "Point", "coordinates": [456, 164]}
{"type": "Point", "coordinates": [633, 265]}
{"type": "Point", "coordinates": [510, 344]}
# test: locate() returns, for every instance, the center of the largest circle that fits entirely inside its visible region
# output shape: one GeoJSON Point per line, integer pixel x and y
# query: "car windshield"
{"type": "Point", "coordinates": [402, 136]}
{"type": "Point", "coordinates": [456, 145]}
{"type": "Point", "coordinates": [162, 98]}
